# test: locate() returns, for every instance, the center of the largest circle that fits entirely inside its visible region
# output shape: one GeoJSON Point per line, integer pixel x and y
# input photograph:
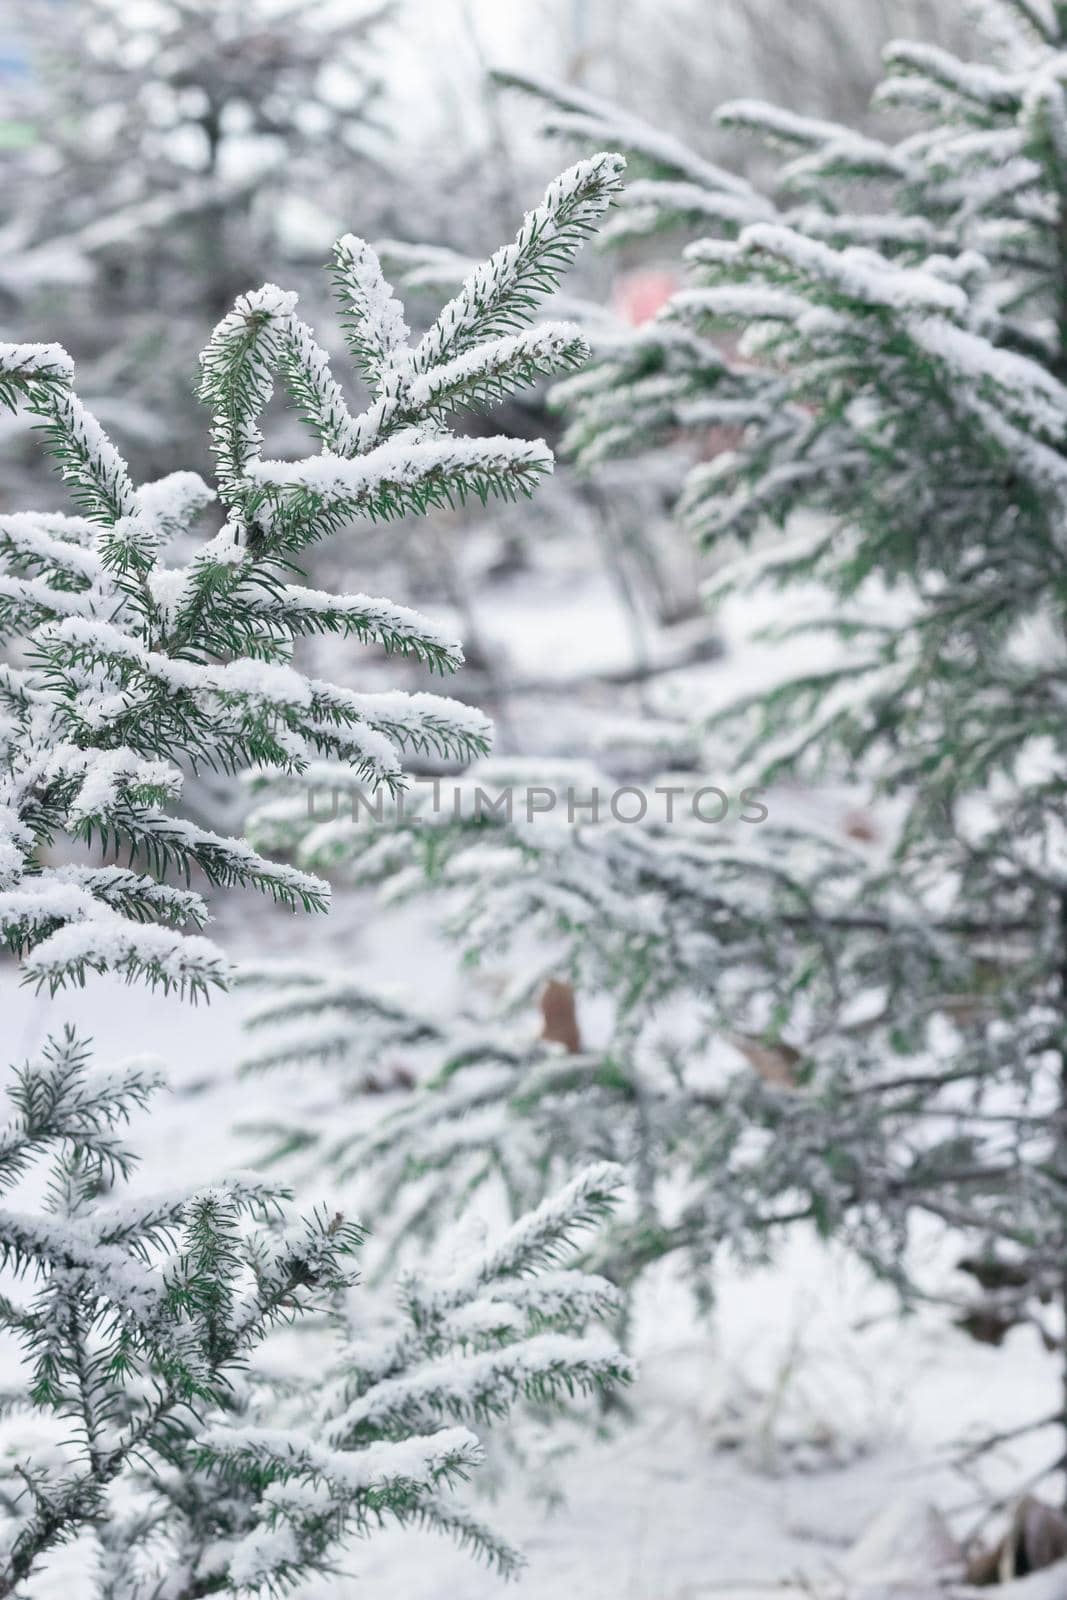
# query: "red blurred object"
{"type": "Point", "coordinates": [639, 295]}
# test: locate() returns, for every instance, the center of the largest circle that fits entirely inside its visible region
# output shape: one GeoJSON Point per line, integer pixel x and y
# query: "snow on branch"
{"type": "Point", "coordinates": [499, 296]}
{"type": "Point", "coordinates": [497, 367]}
{"type": "Point", "coordinates": [314, 496]}
{"type": "Point", "coordinates": [40, 377]}
{"type": "Point", "coordinates": [398, 628]}
{"type": "Point", "coordinates": [540, 1239]}
{"type": "Point", "coordinates": [984, 86]}
{"type": "Point", "coordinates": [544, 1367]}
{"type": "Point", "coordinates": [859, 276]}
{"type": "Point", "coordinates": [236, 377]}
{"type": "Point", "coordinates": [305, 368]}
{"type": "Point", "coordinates": [371, 315]}
{"type": "Point", "coordinates": [186, 964]}
{"type": "Point", "coordinates": [25, 364]}
{"type": "Point", "coordinates": [784, 127]}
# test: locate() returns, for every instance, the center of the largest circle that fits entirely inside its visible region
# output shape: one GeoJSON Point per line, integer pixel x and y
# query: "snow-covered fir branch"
{"type": "Point", "coordinates": [129, 665]}
{"type": "Point", "coordinates": [136, 1317]}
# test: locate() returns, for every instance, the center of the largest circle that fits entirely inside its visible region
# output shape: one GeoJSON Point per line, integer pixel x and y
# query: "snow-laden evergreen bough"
{"type": "Point", "coordinates": [147, 1431]}
{"type": "Point", "coordinates": [142, 1313]}
{"type": "Point", "coordinates": [124, 665]}
{"type": "Point", "coordinates": [874, 1034]}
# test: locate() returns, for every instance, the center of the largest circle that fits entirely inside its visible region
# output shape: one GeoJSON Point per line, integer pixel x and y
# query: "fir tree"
{"type": "Point", "coordinates": [147, 1310]}
{"type": "Point", "coordinates": [882, 1034]}
{"type": "Point", "coordinates": [144, 1421]}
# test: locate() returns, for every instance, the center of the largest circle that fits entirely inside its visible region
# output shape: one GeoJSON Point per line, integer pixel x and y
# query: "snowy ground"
{"type": "Point", "coordinates": [760, 1447]}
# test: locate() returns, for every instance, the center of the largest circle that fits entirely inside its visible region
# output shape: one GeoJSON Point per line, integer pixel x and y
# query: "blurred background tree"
{"type": "Point", "coordinates": [161, 156]}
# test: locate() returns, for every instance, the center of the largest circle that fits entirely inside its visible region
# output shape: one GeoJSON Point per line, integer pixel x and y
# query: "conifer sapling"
{"type": "Point", "coordinates": [144, 1311]}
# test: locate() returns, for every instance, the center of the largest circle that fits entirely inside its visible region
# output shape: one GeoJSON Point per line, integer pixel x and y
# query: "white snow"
{"type": "Point", "coordinates": [37, 360]}
{"type": "Point", "coordinates": [379, 314]}
{"type": "Point", "coordinates": [549, 345]}
{"type": "Point", "coordinates": [861, 275]}
{"type": "Point", "coordinates": [169, 502]}
{"type": "Point", "coordinates": [400, 465]}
